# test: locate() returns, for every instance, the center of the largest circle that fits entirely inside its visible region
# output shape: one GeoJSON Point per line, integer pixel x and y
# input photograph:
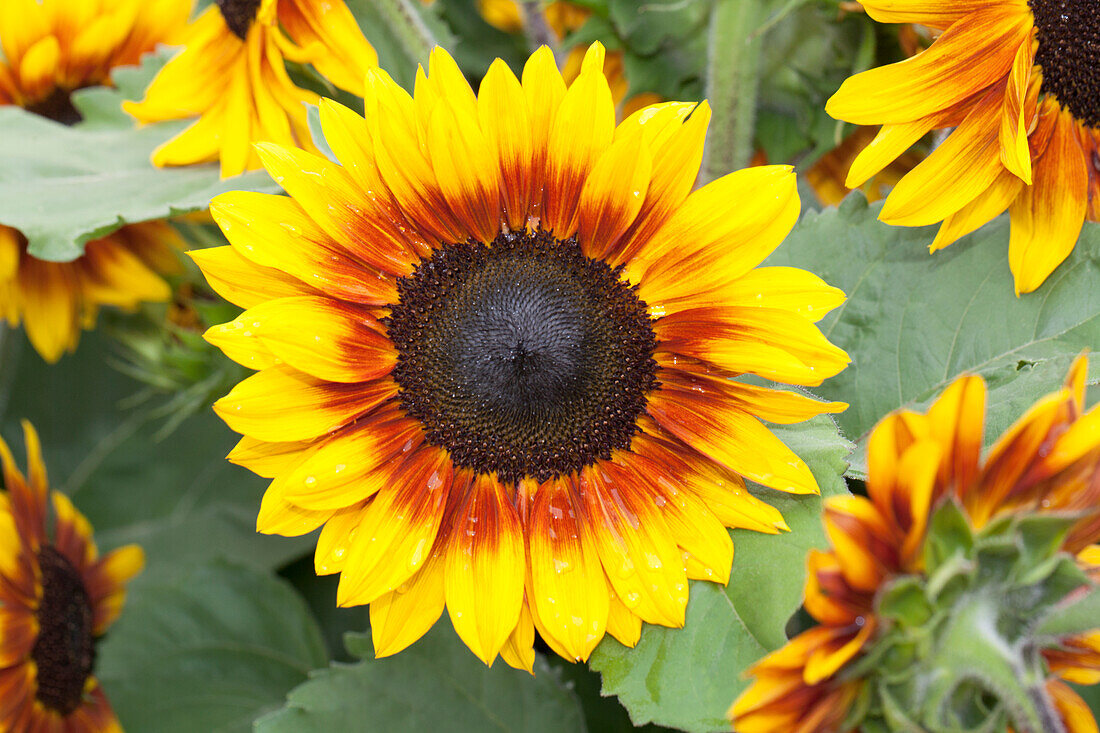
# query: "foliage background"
{"type": "Point", "coordinates": [227, 630]}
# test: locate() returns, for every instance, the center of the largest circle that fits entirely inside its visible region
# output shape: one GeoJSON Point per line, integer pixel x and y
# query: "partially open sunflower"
{"type": "Point", "coordinates": [495, 346]}
{"type": "Point", "coordinates": [1045, 468]}
{"type": "Point", "coordinates": [1019, 81]}
{"type": "Point", "coordinates": [57, 597]}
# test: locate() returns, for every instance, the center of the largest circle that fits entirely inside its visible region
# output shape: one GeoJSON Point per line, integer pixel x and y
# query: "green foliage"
{"type": "Point", "coordinates": [63, 186]}
{"type": "Point", "coordinates": [436, 684]}
{"type": "Point", "coordinates": [687, 678]}
{"type": "Point", "coordinates": [207, 649]}
{"type": "Point", "coordinates": [914, 322]}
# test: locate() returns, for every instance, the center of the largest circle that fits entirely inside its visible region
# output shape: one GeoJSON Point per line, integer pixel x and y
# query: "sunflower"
{"type": "Point", "coordinates": [57, 598]}
{"type": "Point", "coordinates": [232, 76]}
{"type": "Point", "coordinates": [1048, 463]}
{"type": "Point", "coordinates": [1019, 81]}
{"type": "Point", "coordinates": [54, 47]}
{"type": "Point", "coordinates": [54, 300]}
{"type": "Point", "coordinates": [495, 347]}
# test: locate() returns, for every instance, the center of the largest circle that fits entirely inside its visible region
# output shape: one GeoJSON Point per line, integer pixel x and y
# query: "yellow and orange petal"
{"type": "Point", "coordinates": [232, 76]}
{"type": "Point", "coordinates": [46, 683]}
{"type": "Point", "coordinates": [506, 519]}
{"type": "Point", "coordinates": [1014, 80]}
{"type": "Point", "coordinates": [54, 301]}
{"type": "Point", "coordinates": [1048, 461]}
{"type": "Point", "coordinates": [51, 49]}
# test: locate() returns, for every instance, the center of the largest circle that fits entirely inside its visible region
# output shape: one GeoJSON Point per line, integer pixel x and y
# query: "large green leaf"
{"type": "Point", "coordinates": [437, 684]}
{"type": "Point", "coordinates": [914, 321]}
{"type": "Point", "coordinates": [63, 186]}
{"type": "Point", "coordinates": [687, 678]}
{"type": "Point", "coordinates": [177, 495]}
{"type": "Point", "coordinates": [207, 650]}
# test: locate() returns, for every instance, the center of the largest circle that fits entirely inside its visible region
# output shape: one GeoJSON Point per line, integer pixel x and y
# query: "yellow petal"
{"type": "Point", "coordinates": [485, 569]}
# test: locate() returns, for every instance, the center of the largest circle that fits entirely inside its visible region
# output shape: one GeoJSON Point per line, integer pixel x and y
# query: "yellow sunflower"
{"type": "Point", "coordinates": [1048, 462]}
{"type": "Point", "coordinates": [232, 76]}
{"type": "Point", "coordinates": [495, 347]}
{"type": "Point", "coordinates": [1019, 81]}
{"type": "Point", "coordinates": [55, 300]}
{"type": "Point", "coordinates": [57, 597]}
{"type": "Point", "coordinates": [53, 47]}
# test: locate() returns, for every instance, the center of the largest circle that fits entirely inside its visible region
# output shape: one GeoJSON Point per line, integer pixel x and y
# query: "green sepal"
{"type": "Point", "coordinates": [949, 535]}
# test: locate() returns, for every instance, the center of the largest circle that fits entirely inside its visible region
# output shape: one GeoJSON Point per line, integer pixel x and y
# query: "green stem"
{"type": "Point", "coordinates": [406, 23]}
{"type": "Point", "coordinates": [733, 70]}
{"type": "Point", "coordinates": [536, 28]}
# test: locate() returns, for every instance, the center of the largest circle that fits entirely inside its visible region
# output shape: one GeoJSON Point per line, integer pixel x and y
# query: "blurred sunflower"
{"type": "Point", "coordinates": [1044, 470]}
{"type": "Point", "coordinates": [828, 176]}
{"type": "Point", "coordinates": [52, 49]}
{"type": "Point", "coordinates": [495, 347]}
{"type": "Point", "coordinates": [232, 76]}
{"type": "Point", "coordinates": [55, 47]}
{"type": "Point", "coordinates": [564, 17]}
{"type": "Point", "coordinates": [1019, 81]}
{"type": "Point", "coordinates": [57, 597]}
{"type": "Point", "coordinates": [55, 300]}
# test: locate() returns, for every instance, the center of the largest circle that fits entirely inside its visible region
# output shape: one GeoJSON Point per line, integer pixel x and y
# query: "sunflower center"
{"type": "Point", "coordinates": [238, 14]}
{"type": "Point", "coordinates": [1069, 54]}
{"type": "Point", "coordinates": [57, 107]}
{"type": "Point", "coordinates": [522, 357]}
{"type": "Point", "coordinates": [65, 649]}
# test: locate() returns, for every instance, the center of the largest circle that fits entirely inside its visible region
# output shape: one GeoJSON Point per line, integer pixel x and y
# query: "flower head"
{"type": "Point", "coordinates": [1018, 80]}
{"type": "Point", "coordinates": [55, 300]}
{"type": "Point", "coordinates": [53, 48]}
{"type": "Point", "coordinates": [495, 347]}
{"type": "Point", "coordinates": [942, 538]}
{"type": "Point", "coordinates": [57, 598]}
{"type": "Point", "coordinates": [232, 76]}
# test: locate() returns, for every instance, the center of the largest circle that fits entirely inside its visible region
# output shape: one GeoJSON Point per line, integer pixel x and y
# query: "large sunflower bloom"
{"type": "Point", "coordinates": [495, 347]}
{"type": "Point", "coordinates": [53, 47]}
{"type": "Point", "coordinates": [1019, 80]}
{"type": "Point", "coordinates": [55, 300]}
{"type": "Point", "coordinates": [232, 76]}
{"type": "Point", "coordinates": [1048, 462]}
{"type": "Point", "coordinates": [57, 597]}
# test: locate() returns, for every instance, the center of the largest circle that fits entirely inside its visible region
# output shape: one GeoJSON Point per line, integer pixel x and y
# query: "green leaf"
{"type": "Point", "coordinates": [207, 650]}
{"type": "Point", "coordinates": [914, 322]}
{"type": "Point", "coordinates": [63, 186]}
{"type": "Point", "coordinates": [178, 497]}
{"type": "Point", "coordinates": [687, 678]}
{"type": "Point", "coordinates": [434, 685]}
{"type": "Point", "coordinates": [1075, 616]}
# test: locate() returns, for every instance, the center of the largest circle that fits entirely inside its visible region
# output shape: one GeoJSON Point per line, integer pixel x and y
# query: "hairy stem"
{"type": "Point", "coordinates": [733, 69]}
{"type": "Point", "coordinates": [406, 23]}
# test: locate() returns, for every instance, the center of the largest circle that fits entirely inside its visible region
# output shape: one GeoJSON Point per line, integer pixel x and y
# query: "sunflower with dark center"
{"type": "Point", "coordinates": [57, 598]}
{"type": "Point", "coordinates": [496, 346]}
{"type": "Point", "coordinates": [1019, 81]}
{"type": "Point", "coordinates": [232, 76]}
